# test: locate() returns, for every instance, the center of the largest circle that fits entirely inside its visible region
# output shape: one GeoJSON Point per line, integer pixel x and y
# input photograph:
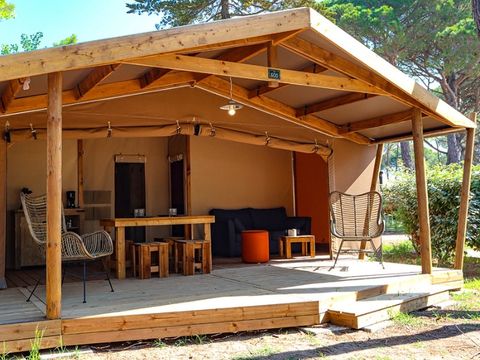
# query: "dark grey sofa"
{"type": "Point", "coordinates": [226, 231]}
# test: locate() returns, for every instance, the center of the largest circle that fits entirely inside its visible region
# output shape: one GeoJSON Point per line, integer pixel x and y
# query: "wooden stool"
{"type": "Point", "coordinates": [143, 251]}
{"type": "Point", "coordinates": [171, 249]}
{"type": "Point", "coordinates": [186, 253]}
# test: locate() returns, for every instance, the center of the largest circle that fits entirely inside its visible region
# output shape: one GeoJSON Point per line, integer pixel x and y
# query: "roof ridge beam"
{"type": "Point", "coordinates": [254, 72]}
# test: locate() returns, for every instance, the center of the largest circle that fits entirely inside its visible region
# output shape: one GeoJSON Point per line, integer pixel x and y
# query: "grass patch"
{"type": "Point", "coordinates": [159, 343]}
{"type": "Point", "coordinates": [402, 252]}
{"type": "Point", "coordinates": [405, 319]}
{"type": "Point", "coordinates": [261, 352]}
{"type": "Point", "coordinates": [34, 353]}
{"type": "Point", "coordinates": [468, 301]}
{"type": "Point", "coordinates": [472, 284]}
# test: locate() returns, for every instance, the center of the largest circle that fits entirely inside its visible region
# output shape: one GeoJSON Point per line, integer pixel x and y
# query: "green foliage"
{"type": "Point", "coordinates": [72, 39]}
{"type": "Point", "coordinates": [444, 183]}
{"type": "Point", "coordinates": [432, 40]}
{"type": "Point", "coordinates": [27, 43]}
{"type": "Point", "coordinates": [184, 12]}
{"type": "Point", "coordinates": [7, 10]}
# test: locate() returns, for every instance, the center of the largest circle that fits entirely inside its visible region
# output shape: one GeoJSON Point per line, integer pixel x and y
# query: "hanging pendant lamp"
{"type": "Point", "coordinates": [232, 105]}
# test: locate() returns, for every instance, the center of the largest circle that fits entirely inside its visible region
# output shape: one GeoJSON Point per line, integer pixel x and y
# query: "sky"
{"type": "Point", "coordinates": [88, 19]}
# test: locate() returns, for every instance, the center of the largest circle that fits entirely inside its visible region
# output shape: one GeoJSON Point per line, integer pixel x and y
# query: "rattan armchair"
{"type": "Point", "coordinates": [75, 247]}
{"type": "Point", "coordinates": [357, 218]}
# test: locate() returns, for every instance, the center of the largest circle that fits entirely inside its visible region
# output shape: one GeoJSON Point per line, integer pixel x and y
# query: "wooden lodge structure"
{"type": "Point", "coordinates": [317, 108]}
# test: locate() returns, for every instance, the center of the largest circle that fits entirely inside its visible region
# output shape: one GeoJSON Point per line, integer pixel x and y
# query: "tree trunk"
{"type": "Point", "coordinates": [476, 14]}
{"type": "Point", "coordinates": [453, 149]}
{"type": "Point", "coordinates": [225, 13]}
{"type": "Point", "coordinates": [450, 91]}
{"type": "Point", "coordinates": [406, 155]}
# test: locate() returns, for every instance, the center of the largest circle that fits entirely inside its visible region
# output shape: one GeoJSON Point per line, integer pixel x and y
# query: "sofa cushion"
{"type": "Point", "coordinates": [239, 227]}
{"type": "Point", "coordinates": [269, 219]}
{"type": "Point", "coordinates": [243, 215]}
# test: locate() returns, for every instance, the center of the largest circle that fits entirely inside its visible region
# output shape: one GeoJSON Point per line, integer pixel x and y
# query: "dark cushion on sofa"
{"type": "Point", "coordinates": [243, 215]}
{"type": "Point", "coordinates": [269, 219]}
{"type": "Point", "coordinates": [239, 227]}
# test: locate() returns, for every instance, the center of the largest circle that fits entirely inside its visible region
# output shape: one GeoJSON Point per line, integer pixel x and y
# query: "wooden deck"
{"type": "Point", "coordinates": [234, 297]}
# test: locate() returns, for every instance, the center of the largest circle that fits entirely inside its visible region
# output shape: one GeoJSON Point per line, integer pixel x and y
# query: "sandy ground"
{"type": "Point", "coordinates": [430, 334]}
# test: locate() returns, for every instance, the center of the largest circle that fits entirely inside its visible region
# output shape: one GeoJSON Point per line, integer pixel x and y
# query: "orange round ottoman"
{"type": "Point", "coordinates": [255, 247]}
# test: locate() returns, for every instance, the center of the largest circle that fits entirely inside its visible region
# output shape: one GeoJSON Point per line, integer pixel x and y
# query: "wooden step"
{"type": "Point", "coordinates": [383, 307]}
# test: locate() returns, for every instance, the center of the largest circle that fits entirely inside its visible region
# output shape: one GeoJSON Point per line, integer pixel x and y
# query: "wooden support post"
{"type": "Point", "coordinates": [373, 187]}
{"type": "Point", "coordinates": [464, 198]}
{"type": "Point", "coordinates": [422, 194]}
{"type": "Point", "coordinates": [80, 173]}
{"type": "Point", "coordinates": [3, 211]}
{"type": "Point", "coordinates": [54, 196]}
{"type": "Point", "coordinates": [272, 58]}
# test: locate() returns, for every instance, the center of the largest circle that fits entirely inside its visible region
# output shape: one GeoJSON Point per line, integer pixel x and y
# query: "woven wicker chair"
{"type": "Point", "coordinates": [74, 247]}
{"type": "Point", "coordinates": [357, 218]}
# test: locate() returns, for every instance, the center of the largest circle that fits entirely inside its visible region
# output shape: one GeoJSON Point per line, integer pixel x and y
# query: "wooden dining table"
{"type": "Point", "coordinates": [119, 224]}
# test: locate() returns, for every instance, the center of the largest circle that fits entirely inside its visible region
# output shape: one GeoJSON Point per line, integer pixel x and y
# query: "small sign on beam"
{"type": "Point", "coordinates": [274, 74]}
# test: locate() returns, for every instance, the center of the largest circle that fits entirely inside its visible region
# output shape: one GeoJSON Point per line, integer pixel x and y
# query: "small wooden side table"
{"type": "Point", "coordinates": [285, 243]}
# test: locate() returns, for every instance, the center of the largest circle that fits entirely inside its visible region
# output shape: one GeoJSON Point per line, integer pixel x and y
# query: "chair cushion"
{"type": "Point", "coordinates": [269, 219]}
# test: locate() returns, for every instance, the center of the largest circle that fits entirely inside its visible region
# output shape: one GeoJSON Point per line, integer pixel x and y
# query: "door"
{"type": "Point", "coordinates": [311, 196]}
{"type": "Point", "coordinates": [130, 195]}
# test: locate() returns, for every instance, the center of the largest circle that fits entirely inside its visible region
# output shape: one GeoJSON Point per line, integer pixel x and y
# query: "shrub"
{"type": "Point", "coordinates": [444, 184]}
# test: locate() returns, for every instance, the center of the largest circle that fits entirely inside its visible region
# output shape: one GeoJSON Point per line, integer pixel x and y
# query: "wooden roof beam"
{"type": "Point", "coordinates": [8, 95]}
{"type": "Point", "coordinates": [102, 92]}
{"type": "Point", "coordinates": [427, 133]}
{"type": "Point", "coordinates": [254, 72]}
{"type": "Point", "coordinates": [333, 103]}
{"type": "Point", "coordinates": [239, 54]}
{"type": "Point", "coordinates": [317, 54]}
{"type": "Point", "coordinates": [95, 76]}
{"type": "Point", "coordinates": [377, 121]}
{"type": "Point", "coordinates": [194, 38]}
{"type": "Point", "coordinates": [265, 89]}
{"type": "Point", "coordinates": [267, 105]}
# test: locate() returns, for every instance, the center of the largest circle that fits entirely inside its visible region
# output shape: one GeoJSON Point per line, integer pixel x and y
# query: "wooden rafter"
{"type": "Point", "coordinates": [265, 89]}
{"type": "Point", "coordinates": [194, 38]}
{"type": "Point", "coordinates": [253, 72]}
{"type": "Point", "coordinates": [8, 95]}
{"type": "Point", "coordinates": [333, 103]}
{"type": "Point", "coordinates": [102, 92]}
{"type": "Point", "coordinates": [319, 55]}
{"type": "Point", "coordinates": [94, 78]}
{"type": "Point", "coordinates": [152, 76]}
{"type": "Point", "coordinates": [239, 54]}
{"type": "Point", "coordinates": [221, 87]}
{"type": "Point", "coordinates": [427, 133]}
{"type": "Point", "coordinates": [377, 121]}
